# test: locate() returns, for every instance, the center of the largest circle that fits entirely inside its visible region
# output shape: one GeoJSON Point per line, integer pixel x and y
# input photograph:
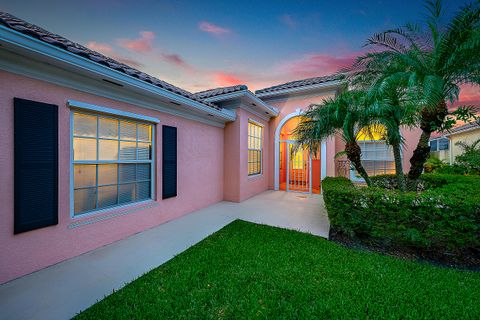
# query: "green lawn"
{"type": "Point", "coordinates": [254, 271]}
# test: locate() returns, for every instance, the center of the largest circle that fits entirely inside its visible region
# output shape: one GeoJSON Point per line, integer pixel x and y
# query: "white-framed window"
{"type": "Point", "coordinates": [112, 161]}
{"type": "Point", "coordinates": [255, 134]}
{"type": "Point", "coordinates": [439, 144]}
{"type": "Point", "coordinates": [377, 157]}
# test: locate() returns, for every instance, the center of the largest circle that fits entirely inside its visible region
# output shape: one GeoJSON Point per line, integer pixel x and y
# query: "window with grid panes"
{"type": "Point", "coordinates": [439, 144]}
{"type": "Point", "coordinates": [254, 148]}
{"type": "Point", "coordinates": [112, 161]}
{"type": "Point", "coordinates": [377, 157]}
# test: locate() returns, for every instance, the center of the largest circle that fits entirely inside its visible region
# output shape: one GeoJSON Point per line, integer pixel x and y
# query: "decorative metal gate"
{"type": "Point", "coordinates": [299, 171]}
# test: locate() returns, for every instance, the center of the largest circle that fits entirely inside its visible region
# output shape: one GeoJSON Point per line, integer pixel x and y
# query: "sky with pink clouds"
{"type": "Point", "coordinates": [199, 45]}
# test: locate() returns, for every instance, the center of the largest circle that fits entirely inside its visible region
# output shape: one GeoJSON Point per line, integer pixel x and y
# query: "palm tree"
{"type": "Point", "coordinates": [433, 61]}
{"type": "Point", "coordinates": [389, 106]}
{"type": "Point", "coordinates": [340, 115]}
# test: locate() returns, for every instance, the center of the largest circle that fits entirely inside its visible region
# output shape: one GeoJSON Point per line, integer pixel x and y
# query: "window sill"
{"type": "Point", "coordinates": [255, 176]}
{"type": "Point", "coordinates": [109, 213]}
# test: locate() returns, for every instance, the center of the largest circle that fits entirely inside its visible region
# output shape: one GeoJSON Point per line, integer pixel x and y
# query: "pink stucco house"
{"type": "Point", "coordinates": [93, 151]}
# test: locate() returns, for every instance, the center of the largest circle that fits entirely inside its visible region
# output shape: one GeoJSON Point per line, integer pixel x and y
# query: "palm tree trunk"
{"type": "Point", "coordinates": [431, 119]}
{"type": "Point", "coordinates": [419, 157]}
{"type": "Point", "coordinates": [354, 154]}
{"type": "Point", "coordinates": [397, 156]}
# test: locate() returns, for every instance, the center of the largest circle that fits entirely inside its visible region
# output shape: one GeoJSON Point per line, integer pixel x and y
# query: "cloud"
{"type": "Point", "coordinates": [176, 60]}
{"type": "Point", "coordinates": [469, 94]}
{"type": "Point", "coordinates": [108, 51]}
{"type": "Point", "coordinates": [140, 45]}
{"type": "Point", "coordinates": [288, 20]}
{"type": "Point", "coordinates": [103, 48]}
{"type": "Point", "coordinates": [224, 79]}
{"type": "Point", "coordinates": [314, 65]}
{"type": "Point", "coordinates": [213, 29]}
{"type": "Point", "coordinates": [129, 62]}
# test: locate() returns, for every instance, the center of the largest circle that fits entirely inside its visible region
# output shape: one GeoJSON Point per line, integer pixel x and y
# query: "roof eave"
{"type": "Point", "coordinates": [265, 107]}
{"type": "Point", "coordinates": [461, 131]}
{"type": "Point", "coordinates": [37, 47]}
{"type": "Point", "coordinates": [324, 85]}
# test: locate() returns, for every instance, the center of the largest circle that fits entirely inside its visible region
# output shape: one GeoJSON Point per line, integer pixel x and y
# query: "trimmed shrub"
{"type": "Point", "coordinates": [445, 217]}
{"type": "Point", "coordinates": [454, 169]}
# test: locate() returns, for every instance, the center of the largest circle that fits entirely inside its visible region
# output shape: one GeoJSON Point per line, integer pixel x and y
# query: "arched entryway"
{"type": "Point", "coordinates": [299, 171]}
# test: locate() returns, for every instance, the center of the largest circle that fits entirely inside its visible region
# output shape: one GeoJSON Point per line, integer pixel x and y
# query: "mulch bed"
{"type": "Point", "coordinates": [468, 259]}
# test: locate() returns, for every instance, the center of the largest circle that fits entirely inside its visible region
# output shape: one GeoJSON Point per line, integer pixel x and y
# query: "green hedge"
{"type": "Point", "coordinates": [445, 216]}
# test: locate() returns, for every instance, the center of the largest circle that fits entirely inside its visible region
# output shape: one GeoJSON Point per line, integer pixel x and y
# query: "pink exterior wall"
{"type": "Point", "coordinates": [252, 185]}
{"type": "Point", "coordinates": [200, 182]}
{"type": "Point", "coordinates": [231, 183]}
{"type": "Point", "coordinates": [238, 185]}
{"type": "Point", "coordinates": [410, 137]}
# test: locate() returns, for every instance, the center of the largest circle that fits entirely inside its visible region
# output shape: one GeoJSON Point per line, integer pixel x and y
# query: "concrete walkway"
{"type": "Point", "coordinates": [64, 289]}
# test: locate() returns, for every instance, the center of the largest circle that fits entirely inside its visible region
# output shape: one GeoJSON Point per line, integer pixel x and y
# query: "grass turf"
{"type": "Point", "coordinates": [254, 271]}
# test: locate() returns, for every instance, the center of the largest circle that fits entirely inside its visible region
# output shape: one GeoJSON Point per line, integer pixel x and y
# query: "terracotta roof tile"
{"type": "Point", "coordinates": [219, 91]}
{"type": "Point", "coordinates": [58, 41]}
{"type": "Point", "coordinates": [300, 83]}
{"type": "Point", "coordinates": [470, 125]}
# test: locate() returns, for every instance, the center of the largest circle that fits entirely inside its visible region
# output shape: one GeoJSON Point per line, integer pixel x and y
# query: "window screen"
{"type": "Point", "coordinates": [112, 162]}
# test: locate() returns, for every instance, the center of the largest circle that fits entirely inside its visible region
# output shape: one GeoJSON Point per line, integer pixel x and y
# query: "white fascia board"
{"type": "Point", "coordinates": [263, 104]}
{"type": "Point", "coordinates": [323, 85]}
{"type": "Point", "coordinates": [35, 46]}
{"type": "Point", "coordinates": [272, 111]}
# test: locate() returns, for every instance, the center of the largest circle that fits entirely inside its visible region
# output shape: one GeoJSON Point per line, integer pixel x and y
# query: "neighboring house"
{"type": "Point", "coordinates": [445, 146]}
{"type": "Point", "coordinates": [94, 151]}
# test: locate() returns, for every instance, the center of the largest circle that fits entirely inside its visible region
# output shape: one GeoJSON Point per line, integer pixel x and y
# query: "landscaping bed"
{"type": "Point", "coordinates": [440, 222]}
{"type": "Point", "coordinates": [247, 271]}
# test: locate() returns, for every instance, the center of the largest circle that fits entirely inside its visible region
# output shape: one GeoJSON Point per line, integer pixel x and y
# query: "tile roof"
{"type": "Point", "coordinates": [300, 83]}
{"type": "Point", "coordinates": [219, 91]}
{"type": "Point", "coordinates": [467, 126]}
{"type": "Point", "coordinates": [34, 31]}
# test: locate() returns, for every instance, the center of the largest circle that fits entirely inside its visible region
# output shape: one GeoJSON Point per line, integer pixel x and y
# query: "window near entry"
{"type": "Point", "coordinates": [377, 156]}
{"type": "Point", "coordinates": [439, 144]}
{"type": "Point", "coordinates": [112, 162]}
{"type": "Point", "coordinates": [254, 148]}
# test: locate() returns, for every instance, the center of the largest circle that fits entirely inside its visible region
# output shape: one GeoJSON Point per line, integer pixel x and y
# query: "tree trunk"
{"type": "Point", "coordinates": [418, 159]}
{"type": "Point", "coordinates": [397, 156]}
{"type": "Point", "coordinates": [430, 121]}
{"type": "Point", "coordinates": [354, 154]}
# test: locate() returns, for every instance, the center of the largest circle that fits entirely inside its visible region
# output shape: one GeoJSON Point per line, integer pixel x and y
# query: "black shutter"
{"type": "Point", "coordinates": [36, 165]}
{"type": "Point", "coordinates": [169, 162]}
